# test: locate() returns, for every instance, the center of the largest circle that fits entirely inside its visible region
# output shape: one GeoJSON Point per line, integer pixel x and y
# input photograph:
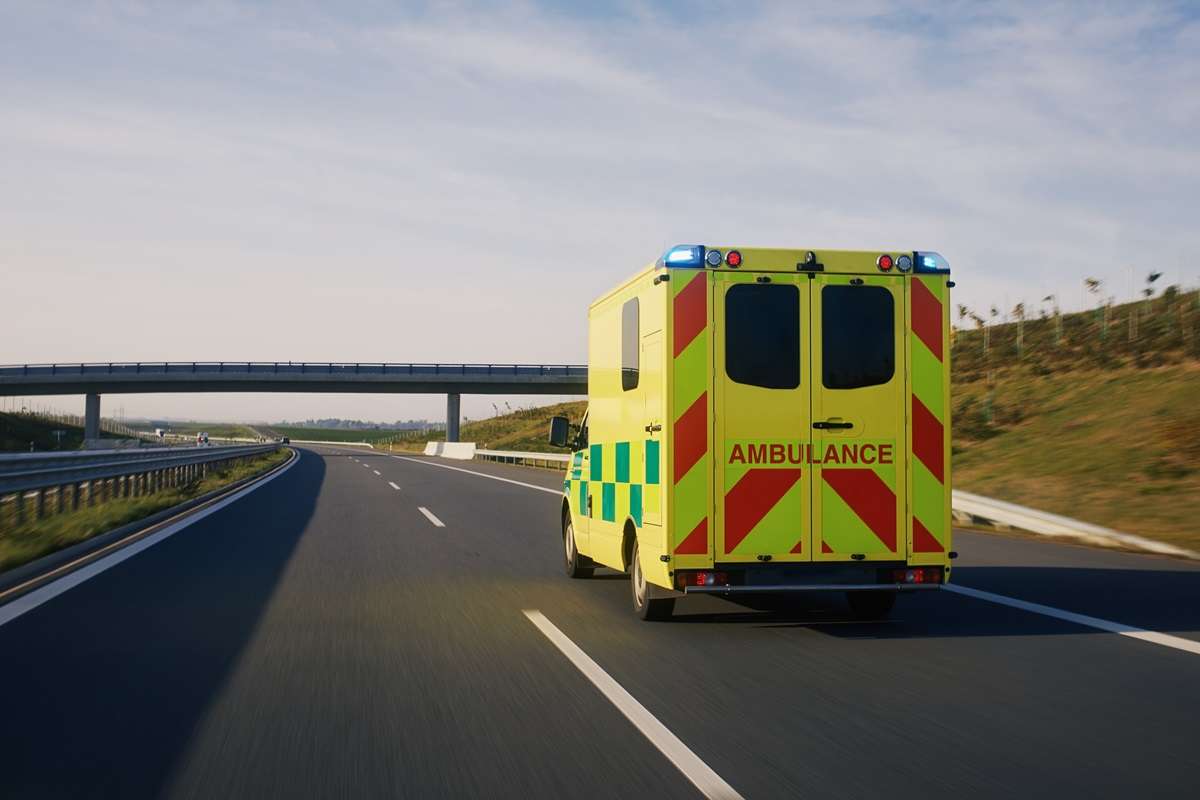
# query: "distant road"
{"type": "Point", "coordinates": [357, 627]}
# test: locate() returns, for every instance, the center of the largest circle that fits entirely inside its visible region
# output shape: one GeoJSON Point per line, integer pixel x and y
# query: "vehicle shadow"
{"type": "Point", "coordinates": [103, 686]}
{"type": "Point", "coordinates": [1158, 600]}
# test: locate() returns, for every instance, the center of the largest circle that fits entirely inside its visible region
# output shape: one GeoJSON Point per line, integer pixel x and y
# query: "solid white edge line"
{"type": "Point", "coordinates": [429, 516]}
{"type": "Point", "coordinates": [1164, 639]}
{"type": "Point", "coordinates": [394, 486]}
{"type": "Point", "coordinates": [28, 602]}
{"type": "Point", "coordinates": [702, 776]}
{"type": "Point", "coordinates": [480, 474]}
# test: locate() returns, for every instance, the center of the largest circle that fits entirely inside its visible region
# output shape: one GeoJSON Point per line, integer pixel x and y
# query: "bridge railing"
{"type": "Point", "coordinates": [131, 368]}
{"type": "Point", "coordinates": [54, 480]}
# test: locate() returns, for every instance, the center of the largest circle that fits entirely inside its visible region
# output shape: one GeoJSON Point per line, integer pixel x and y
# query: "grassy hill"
{"type": "Point", "coordinates": [1117, 447]}
{"type": "Point", "coordinates": [17, 431]}
{"type": "Point", "coordinates": [525, 429]}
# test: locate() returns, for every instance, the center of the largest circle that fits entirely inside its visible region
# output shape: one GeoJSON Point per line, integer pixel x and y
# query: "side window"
{"type": "Point", "coordinates": [858, 336]}
{"type": "Point", "coordinates": [581, 440]}
{"type": "Point", "coordinates": [762, 335]}
{"type": "Point", "coordinates": [630, 340]}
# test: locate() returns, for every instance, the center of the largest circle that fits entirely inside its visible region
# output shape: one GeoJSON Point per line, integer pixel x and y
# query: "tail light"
{"type": "Point", "coordinates": [917, 575]}
{"type": "Point", "coordinates": [701, 578]}
{"type": "Point", "coordinates": [885, 263]}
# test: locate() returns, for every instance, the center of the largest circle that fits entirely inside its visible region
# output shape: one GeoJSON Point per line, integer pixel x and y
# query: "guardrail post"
{"type": "Point", "coordinates": [61, 500]}
{"type": "Point", "coordinates": [19, 506]}
{"type": "Point", "coordinates": [41, 503]}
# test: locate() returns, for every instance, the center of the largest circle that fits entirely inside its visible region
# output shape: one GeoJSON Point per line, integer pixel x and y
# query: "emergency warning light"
{"type": "Point", "coordinates": [931, 262]}
{"type": "Point", "coordinates": [685, 255]}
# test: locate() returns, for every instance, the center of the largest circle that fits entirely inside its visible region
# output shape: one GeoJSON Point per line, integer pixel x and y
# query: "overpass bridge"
{"type": "Point", "coordinates": [142, 377]}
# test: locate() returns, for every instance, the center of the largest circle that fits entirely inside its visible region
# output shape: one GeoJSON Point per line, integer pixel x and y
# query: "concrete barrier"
{"type": "Point", "coordinates": [463, 451]}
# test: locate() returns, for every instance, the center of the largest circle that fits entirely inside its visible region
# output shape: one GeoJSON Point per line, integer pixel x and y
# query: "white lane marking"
{"type": "Point", "coordinates": [701, 775]}
{"type": "Point", "coordinates": [394, 486]}
{"type": "Point", "coordinates": [366, 466]}
{"type": "Point", "coordinates": [376, 472]}
{"type": "Point", "coordinates": [28, 602]}
{"type": "Point", "coordinates": [1166, 640]}
{"type": "Point", "coordinates": [481, 474]}
{"type": "Point", "coordinates": [429, 516]}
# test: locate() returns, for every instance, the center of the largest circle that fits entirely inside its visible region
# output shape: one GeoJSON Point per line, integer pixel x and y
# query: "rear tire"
{"type": "Point", "coordinates": [578, 566]}
{"type": "Point", "coordinates": [645, 604]}
{"type": "Point", "coordinates": [871, 605]}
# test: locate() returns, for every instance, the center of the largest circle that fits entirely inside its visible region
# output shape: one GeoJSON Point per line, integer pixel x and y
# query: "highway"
{"type": "Point", "coordinates": [357, 627]}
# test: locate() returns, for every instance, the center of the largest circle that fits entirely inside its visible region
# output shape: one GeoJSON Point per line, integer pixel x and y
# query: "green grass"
{"type": "Point", "coordinates": [36, 538]}
{"type": "Point", "coordinates": [215, 430]}
{"type": "Point", "coordinates": [17, 431]}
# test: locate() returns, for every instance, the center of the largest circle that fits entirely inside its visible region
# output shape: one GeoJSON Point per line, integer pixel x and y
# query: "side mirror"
{"type": "Point", "coordinates": [560, 432]}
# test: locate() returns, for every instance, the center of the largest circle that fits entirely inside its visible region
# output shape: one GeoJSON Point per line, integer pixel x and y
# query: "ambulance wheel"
{"type": "Point", "coordinates": [578, 566]}
{"type": "Point", "coordinates": [871, 605]}
{"type": "Point", "coordinates": [645, 604]}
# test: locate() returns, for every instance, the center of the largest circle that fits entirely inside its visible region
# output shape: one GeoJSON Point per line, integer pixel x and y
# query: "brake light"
{"type": "Point", "coordinates": [733, 258]}
{"type": "Point", "coordinates": [885, 263]}
{"type": "Point", "coordinates": [917, 575]}
{"type": "Point", "coordinates": [701, 578]}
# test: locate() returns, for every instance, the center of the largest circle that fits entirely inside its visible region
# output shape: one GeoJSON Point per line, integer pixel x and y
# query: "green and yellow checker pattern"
{"type": "Point", "coordinates": [627, 476]}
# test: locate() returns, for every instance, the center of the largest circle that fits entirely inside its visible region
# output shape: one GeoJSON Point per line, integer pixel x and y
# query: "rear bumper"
{"type": "Point", "coordinates": [835, 576]}
{"type": "Point", "coordinates": [820, 587]}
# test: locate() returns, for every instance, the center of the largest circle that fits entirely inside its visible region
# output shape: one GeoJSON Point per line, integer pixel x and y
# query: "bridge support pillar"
{"type": "Point", "coordinates": [91, 417]}
{"type": "Point", "coordinates": [452, 404]}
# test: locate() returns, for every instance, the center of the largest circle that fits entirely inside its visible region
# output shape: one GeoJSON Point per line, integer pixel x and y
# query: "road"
{"type": "Point", "coordinates": [323, 636]}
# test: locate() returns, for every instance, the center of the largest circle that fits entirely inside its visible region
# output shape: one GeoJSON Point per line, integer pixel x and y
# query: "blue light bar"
{"type": "Point", "coordinates": [931, 262]}
{"type": "Point", "coordinates": [684, 255]}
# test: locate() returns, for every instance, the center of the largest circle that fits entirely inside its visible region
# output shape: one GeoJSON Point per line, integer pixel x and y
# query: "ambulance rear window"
{"type": "Point", "coordinates": [762, 335]}
{"type": "Point", "coordinates": [858, 336]}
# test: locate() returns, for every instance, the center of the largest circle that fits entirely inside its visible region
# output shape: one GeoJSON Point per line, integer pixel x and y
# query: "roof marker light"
{"type": "Point", "coordinates": [713, 257]}
{"type": "Point", "coordinates": [684, 255]}
{"type": "Point", "coordinates": [884, 262]}
{"type": "Point", "coordinates": [733, 258]}
{"type": "Point", "coordinates": [931, 262]}
{"type": "Point", "coordinates": [904, 263]}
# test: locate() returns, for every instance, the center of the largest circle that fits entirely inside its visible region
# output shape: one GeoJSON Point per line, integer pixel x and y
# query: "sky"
{"type": "Point", "coordinates": [456, 181]}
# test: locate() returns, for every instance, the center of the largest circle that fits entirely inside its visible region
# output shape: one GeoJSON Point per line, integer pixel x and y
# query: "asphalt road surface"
{"type": "Point", "coordinates": [356, 627]}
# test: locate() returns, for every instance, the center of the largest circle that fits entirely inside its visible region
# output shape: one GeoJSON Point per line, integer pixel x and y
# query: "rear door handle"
{"type": "Point", "coordinates": [653, 428]}
{"type": "Point", "coordinates": [822, 426]}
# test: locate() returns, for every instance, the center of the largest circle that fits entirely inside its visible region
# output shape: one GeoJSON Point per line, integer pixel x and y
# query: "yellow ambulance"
{"type": "Point", "coordinates": [765, 420]}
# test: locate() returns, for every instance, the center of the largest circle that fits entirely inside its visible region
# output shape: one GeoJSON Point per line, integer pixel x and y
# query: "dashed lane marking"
{"type": "Point", "coordinates": [429, 516]}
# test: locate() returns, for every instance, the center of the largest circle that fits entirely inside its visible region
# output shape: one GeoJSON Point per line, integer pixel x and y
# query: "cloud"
{"type": "Point", "coordinates": [397, 180]}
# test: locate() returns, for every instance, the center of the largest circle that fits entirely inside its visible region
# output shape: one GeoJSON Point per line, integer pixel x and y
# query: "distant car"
{"type": "Point", "coordinates": [285, 440]}
{"type": "Point", "coordinates": [202, 439]}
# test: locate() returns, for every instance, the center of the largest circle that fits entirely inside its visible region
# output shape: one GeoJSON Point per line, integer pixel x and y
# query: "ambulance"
{"type": "Point", "coordinates": [765, 421]}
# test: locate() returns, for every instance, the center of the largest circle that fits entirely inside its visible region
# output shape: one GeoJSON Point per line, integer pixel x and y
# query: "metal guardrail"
{"type": "Point", "coordinates": [518, 457]}
{"type": "Point", "coordinates": [987, 509]}
{"type": "Point", "coordinates": [287, 368]}
{"type": "Point", "coordinates": [98, 475]}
